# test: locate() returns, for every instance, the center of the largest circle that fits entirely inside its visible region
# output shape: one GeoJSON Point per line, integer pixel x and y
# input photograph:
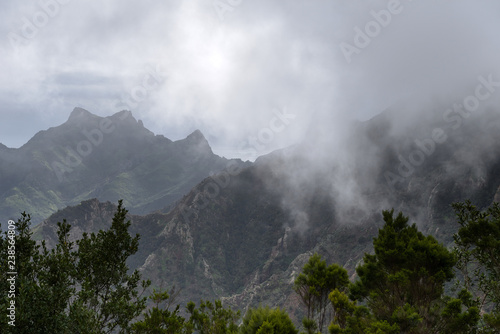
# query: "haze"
{"type": "Point", "coordinates": [230, 69]}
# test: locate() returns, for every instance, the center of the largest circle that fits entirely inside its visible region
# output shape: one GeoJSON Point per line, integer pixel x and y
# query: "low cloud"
{"type": "Point", "coordinates": [227, 76]}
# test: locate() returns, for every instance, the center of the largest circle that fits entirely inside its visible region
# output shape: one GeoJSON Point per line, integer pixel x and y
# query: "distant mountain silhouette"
{"type": "Point", "coordinates": [108, 158]}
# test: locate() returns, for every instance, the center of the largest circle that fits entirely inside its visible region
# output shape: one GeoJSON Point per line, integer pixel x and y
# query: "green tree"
{"type": "Point", "coordinates": [314, 284]}
{"type": "Point", "coordinates": [350, 318]}
{"type": "Point", "coordinates": [212, 318]}
{"type": "Point", "coordinates": [403, 282]}
{"type": "Point", "coordinates": [477, 247]}
{"type": "Point", "coordinates": [107, 290]}
{"type": "Point", "coordinates": [161, 320]}
{"type": "Point", "coordinates": [266, 320]}
{"type": "Point", "coordinates": [43, 284]}
{"type": "Point", "coordinates": [68, 290]}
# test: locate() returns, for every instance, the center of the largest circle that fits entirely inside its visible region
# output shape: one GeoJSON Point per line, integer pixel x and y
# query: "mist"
{"type": "Point", "coordinates": [253, 76]}
{"type": "Point", "coordinates": [431, 69]}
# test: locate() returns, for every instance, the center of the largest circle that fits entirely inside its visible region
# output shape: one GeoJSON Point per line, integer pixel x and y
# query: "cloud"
{"type": "Point", "coordinates": [226, 77]}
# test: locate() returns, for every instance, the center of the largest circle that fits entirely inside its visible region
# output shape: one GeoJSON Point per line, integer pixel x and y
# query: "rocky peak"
{"type": "Point", "coordinates": [196, 136]}
{"type": "Point", "coordinates": [80, 114]}
{"type": "Point", "coordinates": [198, 140]}
{"type": "Point", "coordinates": [124, 115]}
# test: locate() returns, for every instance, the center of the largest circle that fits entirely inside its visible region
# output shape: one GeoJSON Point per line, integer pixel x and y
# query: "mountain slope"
{"type": "Point", "coordinates": [244, 234]}
{"type": "Point", "coordinates": [107, 158]}
{"type": "Point", "coordinates": [250, 241]}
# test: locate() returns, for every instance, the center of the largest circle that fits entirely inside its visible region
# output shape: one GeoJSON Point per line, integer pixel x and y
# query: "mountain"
{"type": "Point", "coordinates": [243, 235]}
{"type": "Point", "coordinates": [107, 158]}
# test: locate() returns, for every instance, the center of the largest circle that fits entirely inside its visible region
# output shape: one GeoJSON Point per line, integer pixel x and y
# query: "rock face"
{"type": "Point", "coordinates": [108, 158]}
{"type": "Point", "coordinates": [244, 234]}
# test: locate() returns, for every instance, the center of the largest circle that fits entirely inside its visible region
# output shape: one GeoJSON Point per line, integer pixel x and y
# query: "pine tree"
{"type": "Point", "coordinates": [314, 284]}
{"type": "Point", "coordinates": [265, 320]}
{"type": "Point", "coordinates": [403, 282]}
{"type": "Point", "coordinates": [212, 318]}
{"type": "Point", "coordinates": [77, 287]}
{"type": "Point", "coordinates": [162, 320]}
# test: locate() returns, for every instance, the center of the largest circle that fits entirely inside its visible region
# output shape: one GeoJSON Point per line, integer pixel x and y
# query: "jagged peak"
{"type": "Point", "coordinates": [196, 136]}
{"type": "Point", "coordinates": [79, 113]}
{"type": "Point", "coordinates": [82, 116]}
{"type": "Point", "coordinates": [198, 140]}
{"type": "Point", "coordinates": [123, 115]}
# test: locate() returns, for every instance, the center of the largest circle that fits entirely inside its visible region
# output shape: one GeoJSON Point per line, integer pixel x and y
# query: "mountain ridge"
{"type": "Point", "coordinates": [243, 234]}
{"type": "Point", "coordinates": [91, 156]}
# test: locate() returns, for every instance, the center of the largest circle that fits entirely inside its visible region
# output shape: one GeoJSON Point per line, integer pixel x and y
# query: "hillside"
{"type": "Point", "coordinates": [244, 234]}
{"type": "Point", "coordinates": [108, 158]}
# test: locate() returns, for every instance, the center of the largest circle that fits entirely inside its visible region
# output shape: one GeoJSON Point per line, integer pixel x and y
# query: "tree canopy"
{"type": "Point", "coordinates": [477, 247]}
{"type": "Point", "coordinates": [314, 284]}
{"type": "Point", "coordinates": [264, 320]}
{"type": "Point", "coordinates": [77, 287]}
{"type": "Point", "coordinates": [85, 286]}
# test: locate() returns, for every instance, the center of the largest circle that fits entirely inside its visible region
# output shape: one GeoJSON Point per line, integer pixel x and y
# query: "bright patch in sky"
{"type": "Point", "coordinates": [228, 77]}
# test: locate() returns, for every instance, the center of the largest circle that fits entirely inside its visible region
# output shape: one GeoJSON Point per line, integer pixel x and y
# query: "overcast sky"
{"type": "Point", "coordinates": [235, 69]}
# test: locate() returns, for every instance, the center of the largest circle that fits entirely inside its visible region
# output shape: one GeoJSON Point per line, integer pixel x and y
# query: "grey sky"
{"type": "Point", "coordinates": [229, 71]}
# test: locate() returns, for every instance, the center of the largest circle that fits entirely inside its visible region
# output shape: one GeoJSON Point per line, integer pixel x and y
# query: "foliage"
{"type": "Point", "coordinates": [101, 272]}
{"type": "Point", "coordinates": [314, 285]}
{"type": "Point", "coordinates": [42, 284]}
{"type": "Point", "coordinates": [309, 325]}
{"type": "Point", "coordinates": [80, 287]}
{"type": "Point", "coordinates": [266, 320]}
{"type": "Point", "coordinates": [84, 286]}
{"type": "Point", "coordinates": [477, 247]}
{"type": "Point", "coordinates": [212, 318]}
{"type": "Point", "coordinates": [403, 282]}
{"type": "Point", "coordinates": [161, 321]}
{"type": "Point", "coordinates": [350, 318]}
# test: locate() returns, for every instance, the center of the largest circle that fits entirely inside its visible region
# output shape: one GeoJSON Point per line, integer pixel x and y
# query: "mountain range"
{"type": "Point", "coordinates": [107, 158]}
{"type": "Point", "coordinates": [243, 233]}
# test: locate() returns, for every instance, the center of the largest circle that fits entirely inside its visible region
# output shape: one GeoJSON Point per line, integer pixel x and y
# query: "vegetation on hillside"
{"type": "Point", "coordinates": [85, 286]}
